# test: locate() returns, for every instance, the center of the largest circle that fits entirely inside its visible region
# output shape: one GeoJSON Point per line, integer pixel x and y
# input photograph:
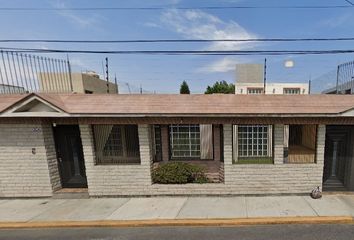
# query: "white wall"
{"type": "Point", "coordinates": [271, 88]}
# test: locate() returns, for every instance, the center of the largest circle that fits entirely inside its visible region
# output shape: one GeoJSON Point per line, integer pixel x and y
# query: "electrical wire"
{"type": "Point", "coordinates": [174, 7]}
{"type": "Point", "coordinates": [175, 40]}
{"type": "Point", "coordinates": [184, 52]}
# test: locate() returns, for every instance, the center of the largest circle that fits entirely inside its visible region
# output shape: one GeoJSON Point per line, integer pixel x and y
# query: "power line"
{"type": "Point", "coordinates": [174, 40]}
{"type": "Point", "coordinates": [348, 1]}
{"type": "Point", "coordinates": [185, 52]}
{"type": "Point", "coordinates": [173, 7]}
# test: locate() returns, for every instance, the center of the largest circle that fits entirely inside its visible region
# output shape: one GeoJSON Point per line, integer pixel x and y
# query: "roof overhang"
{"type": "Point", "coordinates": [33, 106]}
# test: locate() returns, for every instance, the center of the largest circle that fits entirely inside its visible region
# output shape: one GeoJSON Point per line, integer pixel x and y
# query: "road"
{"type": "Point", "coordinates": [271, 232]}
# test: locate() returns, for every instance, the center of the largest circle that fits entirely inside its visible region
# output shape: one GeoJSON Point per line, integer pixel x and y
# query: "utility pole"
{"type": "Point", "coordinates": [265, 76]}
{"type": "Point", "coordinates": [107, 78]}
{"type": "Point", "coordinates": [337, 90]}
{"type": "Point", "coordinates": [115, 81]}
{"type": "Point", "coordinates": [70, 77]}
{"type": "Point", "coordinates": [310, 85]}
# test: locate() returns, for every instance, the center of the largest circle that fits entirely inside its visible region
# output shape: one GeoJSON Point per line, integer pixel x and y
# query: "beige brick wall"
{"type": "Point", "coordinates": [134, 179]}
{"type": "Point", "coordinates": [51, 157]}
{"type": "Point", "coordinates": [273, 178]}
{"type": "Point", "coordinates": [23, 174]}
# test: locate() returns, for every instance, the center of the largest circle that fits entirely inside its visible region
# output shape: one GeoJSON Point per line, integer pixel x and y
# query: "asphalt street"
{"type": "Point", "coordinates": [273, 232]}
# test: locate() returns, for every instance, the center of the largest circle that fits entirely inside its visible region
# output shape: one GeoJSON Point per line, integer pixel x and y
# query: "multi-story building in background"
{"type": "Point", "coordinates": [250, 80]}
{"type": "Point", "coordinates": [88, 82]}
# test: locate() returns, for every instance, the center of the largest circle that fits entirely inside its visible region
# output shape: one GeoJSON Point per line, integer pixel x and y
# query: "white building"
{"type": "Point", "coordinates": [250, 80]}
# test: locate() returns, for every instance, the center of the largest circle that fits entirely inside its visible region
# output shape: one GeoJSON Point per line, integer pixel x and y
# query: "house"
{"type": "Point", "coordinates": [109, 144]}
{"type": "Point", "coordinates": [87, 82]}
{"type": "Point", "coordinates": [250, 80]}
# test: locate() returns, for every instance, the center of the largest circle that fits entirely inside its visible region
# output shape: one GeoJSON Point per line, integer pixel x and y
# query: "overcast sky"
{"type": "Point", "coordinates": [164, 74]}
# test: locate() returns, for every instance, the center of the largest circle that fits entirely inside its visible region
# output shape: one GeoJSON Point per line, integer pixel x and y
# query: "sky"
{"type": "Point", "coordinates": [164, 74]}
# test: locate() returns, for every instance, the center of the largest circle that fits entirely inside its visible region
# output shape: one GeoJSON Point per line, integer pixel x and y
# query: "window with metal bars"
{"type": "Point", "coordinates": [291, 91]}
{"type": "Point", "coordinates": [253, 144]}
{"type": "Point", "coordinates": [254, 90]}
{"type": "Point", "coordinates": [116, 144]}
{"type": "Point", "coordinates": [184, 141]}
{"type": "Point", "coordinates": [157, 147]}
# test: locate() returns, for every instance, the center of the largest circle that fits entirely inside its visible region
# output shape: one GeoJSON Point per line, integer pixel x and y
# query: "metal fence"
{"type": "Point", "coordinates": [345, 78]}
{"type": "Point", "coordinates": [24, 73]}
{"type": "Point", "coordinates": [339, 80]}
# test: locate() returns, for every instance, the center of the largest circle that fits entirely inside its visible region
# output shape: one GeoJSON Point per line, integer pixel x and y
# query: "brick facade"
{"type": "Point", "coordinates": [134, 179]}
{"type": "Point", "coordinates": [24, 173]}
{"type": "Point", "coordinates": [274, 178]}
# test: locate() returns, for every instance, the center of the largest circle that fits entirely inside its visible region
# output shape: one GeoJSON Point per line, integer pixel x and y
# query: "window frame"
{"type": "Point", "coordinates": [189, 157]}
{"type": "Point", "coordinates": [115, 159]}
{"type": "Point", "coordinates": [254, 90]}
{"type": "Point", "coordinates": [251, 158]}
{"type": "Point", "coordinates": [292, 91]}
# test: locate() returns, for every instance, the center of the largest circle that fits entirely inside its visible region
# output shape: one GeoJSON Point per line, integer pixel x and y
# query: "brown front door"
{"type": "Point", "coordinates": [70, 156]}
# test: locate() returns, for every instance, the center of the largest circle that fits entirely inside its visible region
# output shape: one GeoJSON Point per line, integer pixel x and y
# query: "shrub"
{"type": "Point", "coordinates": [178, 173]}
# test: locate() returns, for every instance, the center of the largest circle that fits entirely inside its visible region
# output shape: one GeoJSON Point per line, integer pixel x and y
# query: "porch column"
{"type": "Point", "coordinates": [227, 144]}
{"type": "Point", "coordinates": [321, 139]}
{"type": "Point", "coordinates": [278, 144]}
{"type": "Point", "coordinates": [145, 144]}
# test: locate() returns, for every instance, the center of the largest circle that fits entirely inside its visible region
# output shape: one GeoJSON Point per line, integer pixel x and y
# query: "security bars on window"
{"type": "Point", "coordinates": [116, 144]}
{"type": "Point", "coordinates": [254, 90]}
{"type": "Point", "coordinates": [185, 141]}
{"type": "Point", "coordinates": [292, 91]}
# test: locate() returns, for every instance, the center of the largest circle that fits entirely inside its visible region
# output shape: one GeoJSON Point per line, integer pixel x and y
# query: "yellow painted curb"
{"type": "Point", "coordinates": [181, 222]}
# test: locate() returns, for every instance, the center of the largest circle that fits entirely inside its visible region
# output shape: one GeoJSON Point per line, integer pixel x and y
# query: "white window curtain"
{"type": "Point", "coordinates": [101, 135]}
{"type": "Point", "coordinates": [286, 136]}
{"type": "Point", "coordinates": [206, 141]}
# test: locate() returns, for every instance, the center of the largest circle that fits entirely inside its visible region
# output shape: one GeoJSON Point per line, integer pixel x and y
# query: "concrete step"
{"type": "Point", "coordinates": [333, 184]}
{"type": "Point", "coordinates": [71, 193]}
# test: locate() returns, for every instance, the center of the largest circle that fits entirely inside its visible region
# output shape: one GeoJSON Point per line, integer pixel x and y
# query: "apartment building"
{"type": "Point", "coordinates": [250, 80]}
{"type": "Point", "coordinates": [87, 82]}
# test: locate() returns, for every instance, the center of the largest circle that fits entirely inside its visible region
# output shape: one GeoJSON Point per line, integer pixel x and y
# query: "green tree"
{"type": "Point", "coordinates": [221, 87]}
{"type": "Point", "coordinates": [184, 88]}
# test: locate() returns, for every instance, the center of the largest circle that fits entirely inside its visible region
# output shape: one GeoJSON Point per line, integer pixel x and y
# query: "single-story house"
{"type": "Point", "coordinates": [110, 144]}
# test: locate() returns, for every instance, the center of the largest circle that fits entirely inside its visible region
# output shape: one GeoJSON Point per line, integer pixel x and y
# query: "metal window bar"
{"type": "Point", "coordinates": [253, 141]}
{"type": "Point", "coordinates": [157, 146]}
{"type": "Point", "coordinates": [185, 141]}
{"type": "Point", "coordinates": [116, 144]}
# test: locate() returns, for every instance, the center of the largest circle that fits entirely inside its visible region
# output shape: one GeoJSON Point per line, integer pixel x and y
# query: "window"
{"type": "Point", "coordinates": [185, 141]}
{"type": "Point", "coordinates": [300, 143]}
{"type": "Point", "coordinates": [116, 144]}
{"type": "Point", "coordinates": [254, 90]}
{"type": "Point", "coordinates": [157, 143]}
{"type": "Point", "coordinates": [253, 144]}
{"type": "Point", "coordinates": [291, 91]}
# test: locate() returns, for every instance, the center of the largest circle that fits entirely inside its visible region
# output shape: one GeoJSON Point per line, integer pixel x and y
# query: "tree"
{"type": "Point", "coordinates": [221, 87]}
{"type": "Point", "coordinates": [184, 88]}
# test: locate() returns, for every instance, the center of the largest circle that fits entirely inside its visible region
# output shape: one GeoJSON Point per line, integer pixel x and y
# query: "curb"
{"type": "Point", "coordinates": [180, 222]}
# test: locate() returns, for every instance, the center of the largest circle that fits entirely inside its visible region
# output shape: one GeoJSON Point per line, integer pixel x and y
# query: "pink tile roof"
{"type": "Point", "coordinates": [195, 104]}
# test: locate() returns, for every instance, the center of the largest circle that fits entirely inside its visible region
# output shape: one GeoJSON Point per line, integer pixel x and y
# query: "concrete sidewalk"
{"type": "Point", "coordinates": [173, 208]}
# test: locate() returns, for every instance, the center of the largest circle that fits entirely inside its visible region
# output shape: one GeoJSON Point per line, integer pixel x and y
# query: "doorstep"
{"type": "Point", "coordinates": [71, 193]}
